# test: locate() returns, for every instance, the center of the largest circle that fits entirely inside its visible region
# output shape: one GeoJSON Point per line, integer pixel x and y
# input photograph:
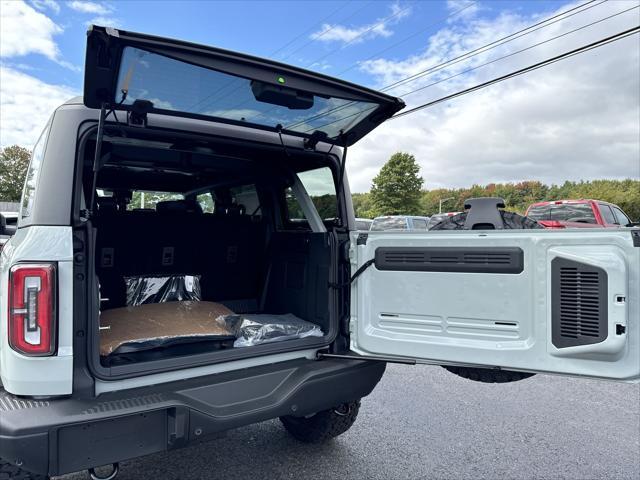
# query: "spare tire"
{"type": "Point", "coordinates": [511, 221]}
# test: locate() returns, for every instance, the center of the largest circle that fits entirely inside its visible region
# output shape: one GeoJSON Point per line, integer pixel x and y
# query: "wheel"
{"type": "Point", "coordinates": [9, 471]}
{"type": "Point", "coordinates": [322, 426]}
{"type": "Point", "coordinates": [512, 221]}
{"type": "Point", "coordinates": [486, 375]}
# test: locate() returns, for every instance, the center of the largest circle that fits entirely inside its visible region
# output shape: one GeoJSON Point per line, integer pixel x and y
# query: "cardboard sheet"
{"type": "Point", "coordinates": [159, 324]}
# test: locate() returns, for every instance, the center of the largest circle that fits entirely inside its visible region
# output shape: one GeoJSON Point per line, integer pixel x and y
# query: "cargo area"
{"type": "Point", "coordinates": [199, 252]}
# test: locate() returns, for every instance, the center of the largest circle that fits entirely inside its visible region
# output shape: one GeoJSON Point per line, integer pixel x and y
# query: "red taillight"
{"type": "Point", "coordinates": [32, 309]}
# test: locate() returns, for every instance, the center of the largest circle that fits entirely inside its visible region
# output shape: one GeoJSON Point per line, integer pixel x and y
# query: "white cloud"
{"type": "Point", "coordinates": [576, 119]}
{"type": "Point", "coordinates": [46, 4]}
{"type": "Point", "coordinates": [90, 7]}
{"type": "Point", "coordinates": [378, 28]}
{"type": "Point", "coordinates": [26, 104]}
{"type": "Point", "coordinates": [468, 8]}
{"type": "Point", "coordinates": [105, 22]}
{"type": "Point", "coordinates": [25, 30]}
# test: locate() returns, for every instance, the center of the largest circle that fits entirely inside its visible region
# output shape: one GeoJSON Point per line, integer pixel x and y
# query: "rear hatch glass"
{"type": "Point", "coordinates": [184, 79]}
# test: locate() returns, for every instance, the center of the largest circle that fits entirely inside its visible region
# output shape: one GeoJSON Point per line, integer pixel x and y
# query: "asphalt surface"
{"type": "Point", "coordinates": [423, 422]}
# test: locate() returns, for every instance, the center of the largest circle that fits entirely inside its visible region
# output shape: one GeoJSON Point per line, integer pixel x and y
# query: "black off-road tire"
{"type": "Point", "coordinates": [512, 221]}
{"type": "Point", "coordinates": [486, 375]}
{"type": "Point", "coordinates": [9, 471]}
{"type": "Point", "coordinates": [322, 426]}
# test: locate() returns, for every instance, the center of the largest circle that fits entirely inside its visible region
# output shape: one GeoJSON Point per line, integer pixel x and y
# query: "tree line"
{"type": "Point", "coordinates": [397, 190]}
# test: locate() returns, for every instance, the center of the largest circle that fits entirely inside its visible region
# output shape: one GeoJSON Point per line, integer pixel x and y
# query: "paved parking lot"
{"type": "Point", "coordinates": [423, 422]}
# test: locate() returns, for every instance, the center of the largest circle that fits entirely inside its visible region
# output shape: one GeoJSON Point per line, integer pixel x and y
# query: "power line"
{"type": "Point", "coordinates": [549, 61]}
{"type": "Point", "coordinates": [361, 34]}
{"type": "Point", "coordinates": [517, 52]}
{"type": "Point", "coordinates": [452, 14]}
{"type": "Point", "coordinates": [483, 49]}
{"type": "Point", "coordinates": [422, 30]}
{"type": "Point", "coordinates": [535, 66]}
{"type": "Point", "coordinates": [293, 40]}
{"type": "Point", "coordinates": [324, 32]}
{"type": "Point", "coordinates": [240, 82]}
{"type": "Point", "coordinates": [499, 42]}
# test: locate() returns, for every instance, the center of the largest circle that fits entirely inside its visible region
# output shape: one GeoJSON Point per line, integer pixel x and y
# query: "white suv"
{"type": "Point", "coordinates": [245, 160]}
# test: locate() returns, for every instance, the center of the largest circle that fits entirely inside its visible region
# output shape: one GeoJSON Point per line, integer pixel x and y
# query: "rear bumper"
{"type": "Point", "coordinates": [61, 436]}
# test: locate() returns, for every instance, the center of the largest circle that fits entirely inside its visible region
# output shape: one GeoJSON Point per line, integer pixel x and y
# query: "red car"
{"type": "Point", "coordinates": [581, 213]}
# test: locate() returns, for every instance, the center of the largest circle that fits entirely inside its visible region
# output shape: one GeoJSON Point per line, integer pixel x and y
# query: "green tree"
{"type": "Point", "coordinates": [396, 190]}
{"type": "Point", "coordinates": [362, 205]}
{"type": "Point", "coordinates": [14, 161]}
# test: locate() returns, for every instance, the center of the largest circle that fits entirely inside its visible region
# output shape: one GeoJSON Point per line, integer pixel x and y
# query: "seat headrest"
{"type": "Point", "coordinates": [179, 206]}
{"type": "Point", "coordinates": [107, 204]}
{"type": "Point", "coordinates": [229, 210]}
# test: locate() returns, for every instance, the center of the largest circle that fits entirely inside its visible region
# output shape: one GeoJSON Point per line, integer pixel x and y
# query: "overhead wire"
{"type": "Point", "coordinates": [415, 34]}
{"type": "Point", "coordinates": [239, 82]}
{"type": "Point", "coordinates": [361, 34]}
{"type": "Point", "coordinates": [536, 66]}
{"type": "Point", "coordinates": [405, 94]}
{"type": "Point", "coordinates": [327, 30]}
{"type": "Point", "coordinates": [599, 43]}
{"type": "Point", "coordinates": [296, 38]}
{"type": "Point", "coordinates": [477, 51]}
{"type": "Point", "coordinates": [451, 15]}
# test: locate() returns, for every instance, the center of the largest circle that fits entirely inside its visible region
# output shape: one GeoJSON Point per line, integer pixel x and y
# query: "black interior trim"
{"type": "Point", "coordinates": [507, 260]}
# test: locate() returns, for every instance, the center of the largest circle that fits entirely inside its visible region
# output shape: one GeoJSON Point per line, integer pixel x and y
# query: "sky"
{"type": "Point", "coordinates": [578, 119]}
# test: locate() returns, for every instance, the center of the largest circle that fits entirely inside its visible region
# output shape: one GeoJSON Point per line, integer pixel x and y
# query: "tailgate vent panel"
{"type": "Point", "coordinates": [578, 303]}
{"type": "Point", "coordinates": [451, 259]}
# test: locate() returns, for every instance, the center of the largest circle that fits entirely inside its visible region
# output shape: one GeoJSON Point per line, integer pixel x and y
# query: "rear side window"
{"type": "Point", "coordinates": [565, 212]}
{"type": "Point", "coordinates": [419, 224]}
{"type": "Point", "coordinates": [146, 200]}
{"type": "Point", "coordinates": [390, 223]}
{"type": "Point", "coordinates": [621, 216]}
{"type": "Point", "coordinates": [247, 196]}
{"type": "Point", "coordinates": [321, 189]}
{"type": "Point", "coordinates": [33, 173]}
{"type": "Point", "coordinates": [205, 200]}
{"type": "Point", "coordinates": [607, 215]}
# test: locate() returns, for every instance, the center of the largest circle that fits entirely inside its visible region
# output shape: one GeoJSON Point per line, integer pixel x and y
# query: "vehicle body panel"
{"type": "Point", "coordinates": [40, 375]}
{"type": "Point", "coordinates": [59, 436]}
{"type": "Point", "coordinates": [500, 319]}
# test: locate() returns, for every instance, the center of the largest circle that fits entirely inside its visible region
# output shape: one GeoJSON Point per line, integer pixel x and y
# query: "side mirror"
{"type": "Point", "coordinates": [3, 225]}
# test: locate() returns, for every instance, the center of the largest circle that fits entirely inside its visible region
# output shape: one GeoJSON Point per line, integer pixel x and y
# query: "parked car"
{"type": "Point", "coordinates": [438, 217]}
{"type": "Point", "coordinates": [8, 226]}
{"type": "Point", "coordinates": [581, 213]}
{"type": "Point", "coordinates": [363, 223]}
{"type": "Point", "coordinates": [399, 222]}
{"type": "Point", "coordinates": [307, 313]}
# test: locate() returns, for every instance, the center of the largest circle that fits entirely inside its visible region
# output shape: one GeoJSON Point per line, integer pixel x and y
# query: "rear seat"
{"type": "Point", "coordinates": [224, 248]}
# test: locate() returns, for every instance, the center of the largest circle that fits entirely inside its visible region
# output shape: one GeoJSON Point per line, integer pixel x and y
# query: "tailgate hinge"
{"type": "Point", "coordinates": [366, 358]}
{"type": "Point", "coordinates": [137, 116]}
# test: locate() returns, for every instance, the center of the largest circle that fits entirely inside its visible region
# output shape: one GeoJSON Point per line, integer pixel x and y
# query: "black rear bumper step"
{"type": "Point", "coordinates": [66, 435]}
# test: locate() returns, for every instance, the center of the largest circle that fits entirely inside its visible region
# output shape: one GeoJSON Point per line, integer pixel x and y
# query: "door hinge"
{"type": "Point", "coordinates": [137, 116]}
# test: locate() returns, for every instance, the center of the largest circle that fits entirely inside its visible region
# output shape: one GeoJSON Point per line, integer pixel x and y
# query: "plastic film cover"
{"type": "Point", "coordinates": [263, 328]}
{"type": "Point", "coordinates": [162, 288]}
{"type": "Point", "coordinates": [144, 327]}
